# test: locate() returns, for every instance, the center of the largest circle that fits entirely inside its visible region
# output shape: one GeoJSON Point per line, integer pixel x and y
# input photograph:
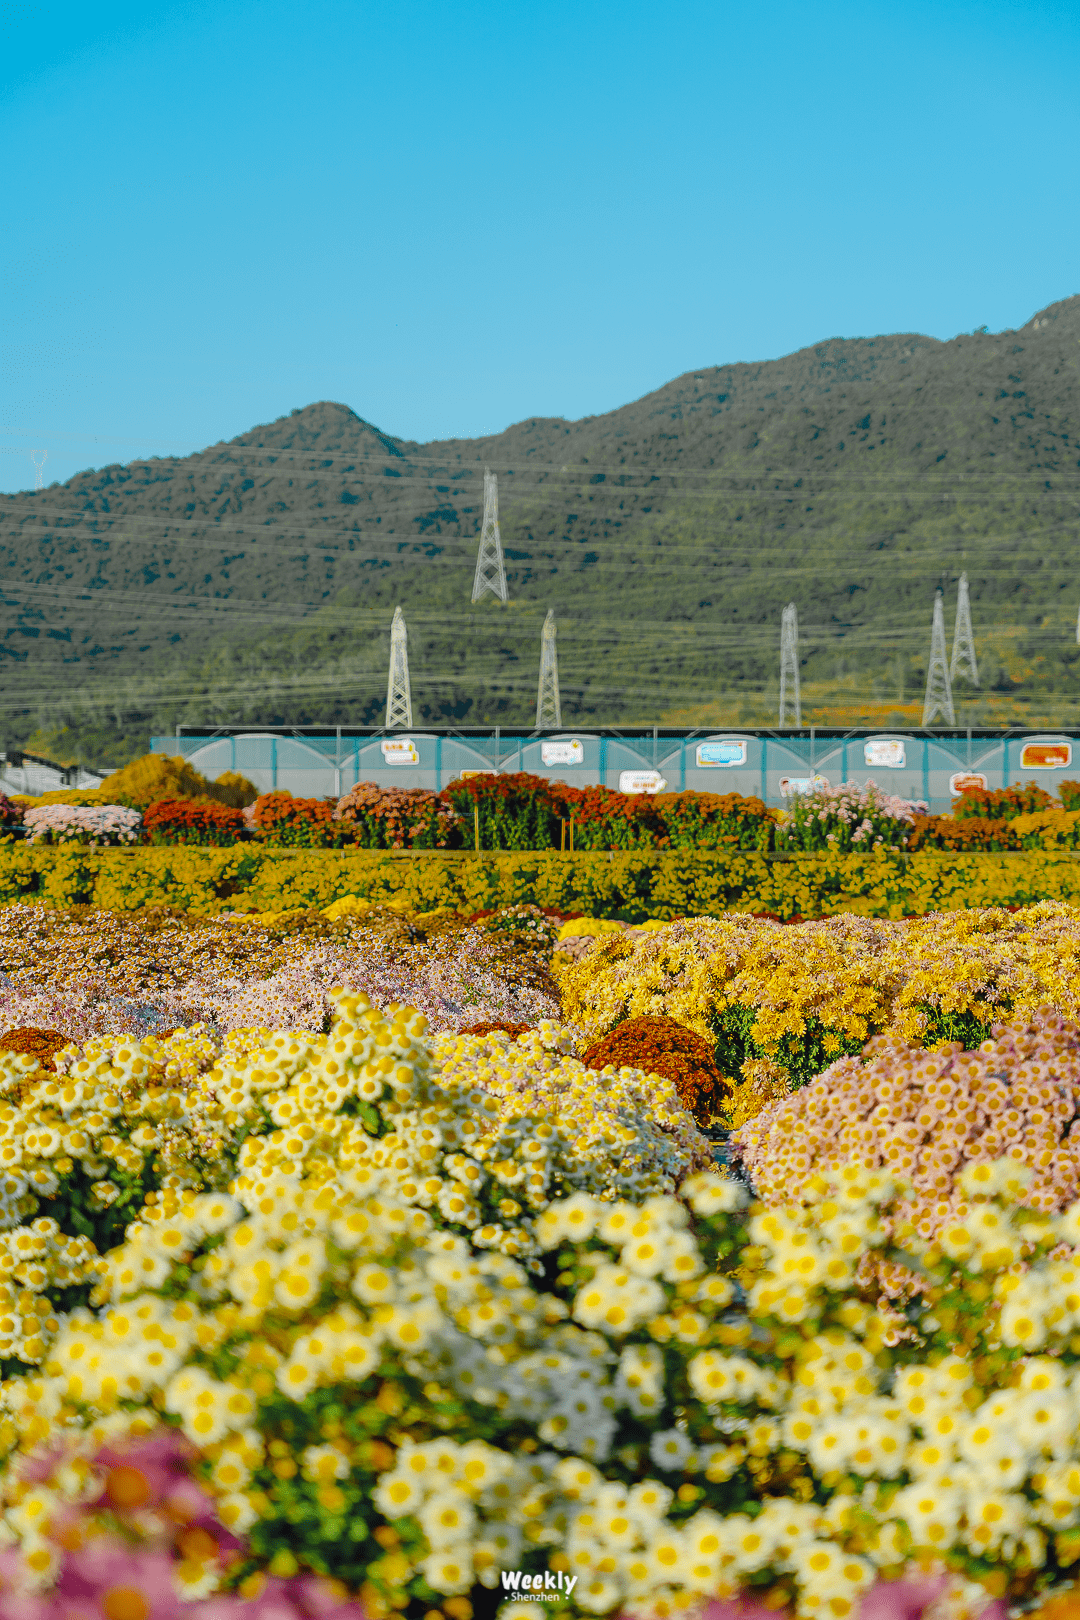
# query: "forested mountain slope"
{"type": "Point", "coordinates": [254, 582]}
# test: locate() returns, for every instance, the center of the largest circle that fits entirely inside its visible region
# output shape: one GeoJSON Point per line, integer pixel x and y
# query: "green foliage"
{"type": "Point", "coordinates": [715, 821]}
{"type": "Point", "coordinates": [513, 811]}
{"type": "Point", "coordinates": [75, 1209]}
{"type": "Point", "coordinates": [958, 1026]}
{"type": "Point", "coordinates": [800, 1056]}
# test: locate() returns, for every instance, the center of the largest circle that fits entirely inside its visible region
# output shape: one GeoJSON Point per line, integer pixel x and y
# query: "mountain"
{"type": "Point", "coordinates": [254, 582]}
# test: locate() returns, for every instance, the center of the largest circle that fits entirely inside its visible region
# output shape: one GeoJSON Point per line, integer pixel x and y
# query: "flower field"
{"type": "Point", "coordinates": [161, 800]}
{"type": "Point", "coordinates": [372, 1260]}
{"type": "Point", "coordinates": [783, 1003]}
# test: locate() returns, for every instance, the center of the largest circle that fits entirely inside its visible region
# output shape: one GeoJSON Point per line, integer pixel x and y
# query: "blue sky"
{"type": "Point", "coordinates": [451, 217]}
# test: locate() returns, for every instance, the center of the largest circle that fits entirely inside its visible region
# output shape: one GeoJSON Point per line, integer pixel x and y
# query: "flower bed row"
{"type": "Point", "coordinates": [522, 812]}
{"type": "Point", "coordinates": [631, 884]}
{"type": "Point", "coordinates": [95, 972]}
{"type": "Point", "coordinates": [505, 812]}
{"type": "Point", "coordinates": [391, 1315]}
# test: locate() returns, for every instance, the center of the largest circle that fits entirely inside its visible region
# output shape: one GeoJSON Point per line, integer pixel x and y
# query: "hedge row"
{"type": "Point", "coordinates": [633, 884]}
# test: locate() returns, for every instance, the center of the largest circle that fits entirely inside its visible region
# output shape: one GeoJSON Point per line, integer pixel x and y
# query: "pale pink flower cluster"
{"type": "Point", "coordinates": [92, 980]}
{"type": "Point", "coordinates": [925, 1115]}
{"type": "Point", "coordinates": [453, 983]}
{"type": "Point", "coordinates": [851, 816]}
{"type": "Point", "coordinates": [83, 824]}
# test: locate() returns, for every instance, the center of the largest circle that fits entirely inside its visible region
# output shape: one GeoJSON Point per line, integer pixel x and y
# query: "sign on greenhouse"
{"type": "Point", "coordinates": [1046, 756]}
{"type": "Point", "coordinates": [566, 751]}
{"type": "Point", "coordinates": [886, 752]}
{"type": "Point", "coordinates": [967, 782]}
{"type": "Point", "coordinates": [399, 751]}
{"type": "Point", "coordinates": [732, 752]}
{"type": "Point", "coordinates": [801, 784]}
{"type": "Point", "coordinates": [641, 782]}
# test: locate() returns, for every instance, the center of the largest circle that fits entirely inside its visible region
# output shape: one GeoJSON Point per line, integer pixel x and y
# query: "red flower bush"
{"type": "Point", "coordinates": [715, 821]}
{"type": "Point", "coordinates": [489, 1028]}
{"type": "Point", "coordinates": [191, 821]}
{"type": "Point", "coordinates": [1004, 804]}
{"type": "Point", "coordinates": [299, 823]}
{"type": "Point", "coordinates": [604, 819]}
{"type": "Point", "coordinates": [968, 832]}
{"type": "Point", "coordinates": [40, 1043]}
{"type": "Point", "coordinates": [661, 1046]}
{"type": "Point", "coordinates": [516, 810]}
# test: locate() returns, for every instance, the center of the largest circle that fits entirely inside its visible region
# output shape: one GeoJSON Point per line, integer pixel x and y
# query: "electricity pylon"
{"type": "Point", "coordinates": [398, 696]}
{"type": "Point", "coordinates": [548, 707]}
{"type": "Point", "coordinates": [789, 665]}
{"type": "Point", "coordinates": [938, 699]}
{"type": "Point", "coordinates": [39, 466]}
{"type": "Point", "coordinates": [490, 572]}
{"type": "Point", "coordinates": [963, 641]}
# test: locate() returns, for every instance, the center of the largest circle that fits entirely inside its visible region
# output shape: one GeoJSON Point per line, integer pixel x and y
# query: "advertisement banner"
{"type": "Point", "coordinates": [641, 782]}
{"type": "Point", "coordinates": [399, 751]}
{"type": "Point", "coordinates": [887, 752]}
{"type": "Point", "coordinates": [967, 781]}
{"type": "Point", "coordinates": [1046, 756]}
{"type": "Point", "coordinates": [801, 784]}
{"type": "Point", "coordinates": [564, 751]}
{"type": "Point", "coordinates": [732, 752]}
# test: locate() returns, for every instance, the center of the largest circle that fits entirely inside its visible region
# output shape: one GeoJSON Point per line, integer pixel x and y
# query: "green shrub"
{"type": "Point", "coordinates": [514, 811]}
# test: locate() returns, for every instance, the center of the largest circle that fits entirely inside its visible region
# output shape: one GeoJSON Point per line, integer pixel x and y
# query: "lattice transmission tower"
{"type": "Point", "coordinates": [490, 571]}
{"type": "Point", "coordinates": [963, 641]}
{"type": "Point", "coordinates": [938, 699]}
{"type": "Point", "coordinates": [548, 707]}
{"type": "Point", "coordinates": [39, 466]}
{"type": "Point", "coordinates": [789, 666]}
{"type": "Point", "coordinates": [398, 695]}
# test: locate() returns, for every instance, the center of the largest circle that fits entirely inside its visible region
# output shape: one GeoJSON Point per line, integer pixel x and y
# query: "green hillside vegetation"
{"type": "Point", "coordinates": [254, 583]}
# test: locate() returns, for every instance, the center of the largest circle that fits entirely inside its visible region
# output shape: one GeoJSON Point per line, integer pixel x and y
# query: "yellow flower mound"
{"type": "Point", "coordinates": [597, 927]}
{"type": "Point", "coordinates": [348, 906]}
{"type": "Point", "coordinates": [849, 977]}
{"type": "Point", "coordinates": [589, 928]}
{"type": "Point", "coordinates": [484, 1131]}
{"type": "Point", "coordinates": [1055, 828]}
{"type": "Point", "coordinates": [320, 1341]}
